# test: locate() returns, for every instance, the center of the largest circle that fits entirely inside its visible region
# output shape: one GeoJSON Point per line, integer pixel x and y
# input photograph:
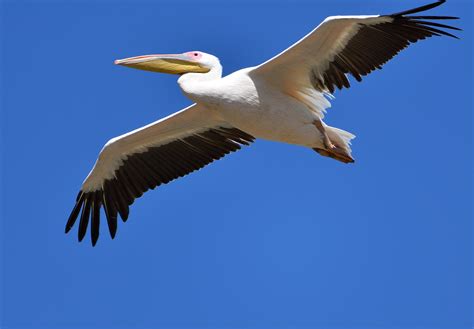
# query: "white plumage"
{"type": "Point", "coordinates": [283, 99]}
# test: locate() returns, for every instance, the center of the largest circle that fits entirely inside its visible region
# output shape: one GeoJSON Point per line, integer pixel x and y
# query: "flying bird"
{"type": "Point", "coordinates": [283, 99]}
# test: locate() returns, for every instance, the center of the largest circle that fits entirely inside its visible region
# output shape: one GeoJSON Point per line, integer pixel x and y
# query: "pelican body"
{"type": "Point", "coordinates": [283, 100]}
{"type": "Point", "coordinates": [248, 103]}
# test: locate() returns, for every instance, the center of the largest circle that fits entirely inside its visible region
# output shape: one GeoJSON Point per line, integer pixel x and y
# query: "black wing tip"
{"type": "Point", "coordinates": [113, 228]}
{"type": "Point", "coordinates": [433, 17]}
{"type": "Point", "coordinates": [75, 212]}
{"type": "Point", "coordinates": [418, 9]}
{"type": "Point", "coordinates": [85, 202]}
{"type": "Point", "coordinates": [80, 237]}
{"type": "Point", "coordinates": [422, 21]}
{"type": "Point", "coordinates": [136, 176]}
{"type": "Point", "coordinates": [90, 204]}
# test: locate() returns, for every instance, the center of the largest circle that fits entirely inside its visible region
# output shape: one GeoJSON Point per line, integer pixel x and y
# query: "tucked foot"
{"type": "Point", "coordinates": [336, 142]}
{"type": "Point", "coordinates": [327, 142]}
{"type": "Point", "coordinates": [335, 153]}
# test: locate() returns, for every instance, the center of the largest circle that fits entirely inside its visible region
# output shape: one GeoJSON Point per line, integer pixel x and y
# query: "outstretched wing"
{"type": "Point", "coordinates": [342, 45]}
{"type": "Point", "coordinates": [140, 160]}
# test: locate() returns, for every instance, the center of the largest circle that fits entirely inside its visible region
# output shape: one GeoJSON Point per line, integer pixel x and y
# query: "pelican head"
{"type": "Point", "coordinates": [189, 62]}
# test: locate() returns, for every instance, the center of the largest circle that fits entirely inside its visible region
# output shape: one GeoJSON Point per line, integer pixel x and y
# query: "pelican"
{"type": "Point", "coordinates": [284, 99]}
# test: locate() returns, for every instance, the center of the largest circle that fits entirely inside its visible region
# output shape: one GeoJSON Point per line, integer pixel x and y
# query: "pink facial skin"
{"type": "Point", "coordinates": [194, 55]}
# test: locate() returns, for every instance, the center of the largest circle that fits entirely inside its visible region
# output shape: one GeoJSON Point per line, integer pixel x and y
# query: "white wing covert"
{"type": "Point", "coordinates": [342, 45]}
{"type": "Point", "coordinates": [156, 154]}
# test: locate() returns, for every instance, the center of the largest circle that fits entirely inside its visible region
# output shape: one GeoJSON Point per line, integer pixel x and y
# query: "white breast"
{"type": "Point", "coordinates": [261, 110]}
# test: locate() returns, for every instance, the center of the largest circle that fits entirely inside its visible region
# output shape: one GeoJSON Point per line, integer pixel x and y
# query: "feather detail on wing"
{"type": "Point", "coordinates": [156, 154]}
{"type": "Point", "coordinates": [342, 45]}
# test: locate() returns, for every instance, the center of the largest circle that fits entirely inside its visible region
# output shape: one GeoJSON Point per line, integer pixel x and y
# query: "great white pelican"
{"type": "Point", "coordinates": [283, 99]}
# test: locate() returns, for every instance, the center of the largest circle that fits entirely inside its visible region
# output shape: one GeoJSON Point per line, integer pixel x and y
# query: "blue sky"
{"type": "Point", "coordinates": [273, 236]}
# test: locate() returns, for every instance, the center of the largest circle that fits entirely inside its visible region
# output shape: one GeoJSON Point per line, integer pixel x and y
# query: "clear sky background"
{"type": "Point", "coordinates": [273, 236]}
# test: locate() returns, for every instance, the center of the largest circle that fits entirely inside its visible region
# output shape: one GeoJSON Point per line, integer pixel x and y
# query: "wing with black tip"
{"type": "Point", "coordinates": [343, 45]}
{"type": "Point", "coordinates": [143, 159]}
